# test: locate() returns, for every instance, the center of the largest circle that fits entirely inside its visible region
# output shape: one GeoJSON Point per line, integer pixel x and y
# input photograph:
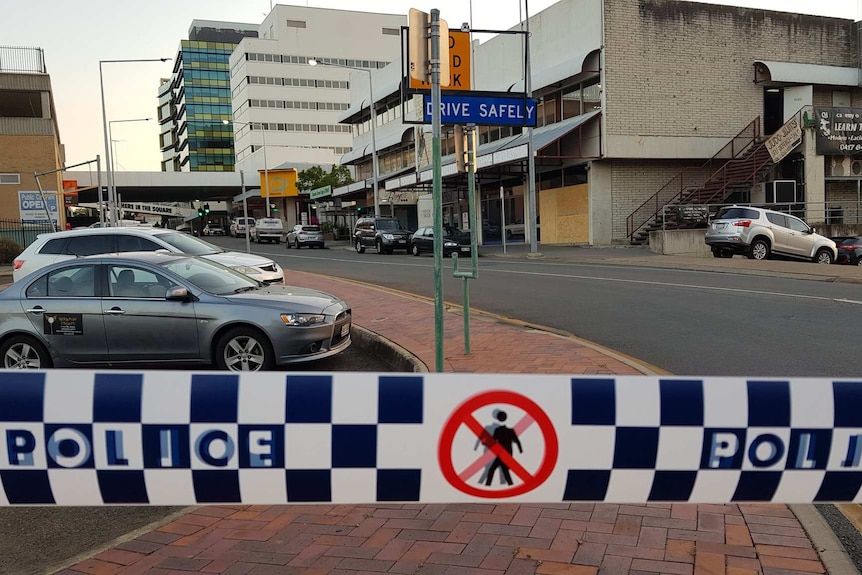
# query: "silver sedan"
{"type": "Point", "coordinates": [155, 309]}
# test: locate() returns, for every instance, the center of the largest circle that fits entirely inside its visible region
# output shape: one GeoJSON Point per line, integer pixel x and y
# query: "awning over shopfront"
{"type": "Point", "coordinates": [514, 148]}
{"type": "Point", "coordinates": [382, 144]}
{"type": "Point", "coordinates": [795, 73]}
{"type": "Point", "coordinates": [578, 64]}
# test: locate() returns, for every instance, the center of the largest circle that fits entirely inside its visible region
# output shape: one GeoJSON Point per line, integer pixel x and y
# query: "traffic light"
{"type": "Point", "coordinates": [273, 208]}
{"type": "Point", "coordinates": [206, 208]}
{"type": "Point", "coordinates": [200, 213]}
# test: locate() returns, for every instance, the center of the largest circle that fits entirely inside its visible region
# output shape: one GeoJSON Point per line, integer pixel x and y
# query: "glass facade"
{"type": "Point", "coordinates": [207, 101]}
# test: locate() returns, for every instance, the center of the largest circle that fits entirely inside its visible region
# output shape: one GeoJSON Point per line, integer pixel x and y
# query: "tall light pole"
{"type": "Point", "coordinates": [112, 192]}
{"type": "Point", "coordinates": [111, 167]}
{"type": "Point", "coordinates": [265, 165]}
{"type": "Point", "coordinates": [374, 165]}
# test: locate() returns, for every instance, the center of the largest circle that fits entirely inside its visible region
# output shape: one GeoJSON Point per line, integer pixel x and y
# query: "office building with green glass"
{"type": "Point", "coordinates": [196, 99]}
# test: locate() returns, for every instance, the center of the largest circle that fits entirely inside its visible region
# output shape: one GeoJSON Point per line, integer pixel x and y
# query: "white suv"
{"type": "Point", "coordinates": [759, 233]}
{"type": "Point", "coordinates": [58, 246]}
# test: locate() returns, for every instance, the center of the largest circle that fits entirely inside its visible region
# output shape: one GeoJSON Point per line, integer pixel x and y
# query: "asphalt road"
{"type": "Point", "coordinates": [35, 539]}
{"type": "Point", "coordinates": [687, 322]}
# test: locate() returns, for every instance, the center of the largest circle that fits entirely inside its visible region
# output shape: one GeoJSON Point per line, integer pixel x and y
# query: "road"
{"type": "Point", "coordinates": [687, 322]}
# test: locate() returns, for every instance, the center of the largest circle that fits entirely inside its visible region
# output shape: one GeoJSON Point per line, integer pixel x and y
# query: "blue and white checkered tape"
{"type": "Point", "coordinates": [182, 438]}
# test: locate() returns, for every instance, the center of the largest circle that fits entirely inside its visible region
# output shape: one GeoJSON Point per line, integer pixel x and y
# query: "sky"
{"type": "Point", "coordinates": [77, 35]}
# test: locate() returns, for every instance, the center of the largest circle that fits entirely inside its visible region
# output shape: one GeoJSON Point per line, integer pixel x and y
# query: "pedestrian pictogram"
{"type": "Point", "coordinates": [511, 441]}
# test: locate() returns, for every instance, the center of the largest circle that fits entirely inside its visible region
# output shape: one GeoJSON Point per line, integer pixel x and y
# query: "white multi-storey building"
{"type": "Point", "coordinates": [292, 108]}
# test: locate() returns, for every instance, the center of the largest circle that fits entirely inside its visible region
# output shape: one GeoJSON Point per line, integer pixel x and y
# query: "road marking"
{"type": "Point", "coordinates": [591, 278]}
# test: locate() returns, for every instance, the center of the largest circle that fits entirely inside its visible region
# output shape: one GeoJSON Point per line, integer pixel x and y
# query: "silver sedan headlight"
{"type": "Point", "coordinates": [302, 319]}
{"type": "Point", "coordinates": [450, 244]}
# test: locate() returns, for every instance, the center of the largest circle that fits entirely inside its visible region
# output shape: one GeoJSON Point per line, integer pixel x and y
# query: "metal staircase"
{"type": "Point", "coordinates": [737, 165]}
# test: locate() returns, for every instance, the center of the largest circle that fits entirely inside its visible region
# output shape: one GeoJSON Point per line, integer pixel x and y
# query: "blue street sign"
{"type": "Point", "coordinates": [484, 110]}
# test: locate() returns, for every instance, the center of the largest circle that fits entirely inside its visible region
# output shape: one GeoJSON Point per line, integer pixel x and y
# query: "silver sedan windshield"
{"type": "Point", "coordinates": [211, 277]}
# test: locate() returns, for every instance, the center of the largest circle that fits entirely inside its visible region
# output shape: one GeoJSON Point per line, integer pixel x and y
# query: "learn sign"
{"type": "Point", "coordinates": [483, 110]}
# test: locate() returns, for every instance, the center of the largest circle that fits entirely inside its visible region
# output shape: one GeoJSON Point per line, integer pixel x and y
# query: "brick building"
{"type": "Point", "coordinates": [29, 137]}
{"type": "Point", "coordinates": [652, 103]}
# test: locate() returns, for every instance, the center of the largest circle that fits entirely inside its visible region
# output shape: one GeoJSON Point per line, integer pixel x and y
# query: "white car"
{"type": "Point", "coordinates": [267, 229]}
{"type": "Point", "coordinates": [240, 226]}
{"type": "Point", "coordinates": [58, 246]}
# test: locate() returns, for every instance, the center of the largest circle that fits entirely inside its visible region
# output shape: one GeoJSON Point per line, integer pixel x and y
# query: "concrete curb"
{"type": "Point", "coordinates": [832, 553]}
{"type": "Point", "coordinates": [83, 556]}
{"type": "Point", "coordinates": [387, 350]}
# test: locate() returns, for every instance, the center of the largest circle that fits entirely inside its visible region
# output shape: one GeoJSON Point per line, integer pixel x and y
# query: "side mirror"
{"type": "Point", "coordinates": [812, 230]}
{"type": "Point", "coordinates": [177, 293]}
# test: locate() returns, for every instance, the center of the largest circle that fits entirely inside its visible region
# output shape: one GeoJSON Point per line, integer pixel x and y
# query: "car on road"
{"type": "Point", "coordinates": [454, 241]}
{"type": "Point", "coordinates": [305, 235]}
{"type": "Point", "coordinates": [383, 233]}
{"type": "Point", "coordinates": [759, 233]}
{"type": "Point", "coordinates": [214, 230]}
{"type": "Point", "coordinates": [154, 308]}
{"type": "Point", "coordinates": [267, 230]}
{"type": "Point", "coordinates": [239, 227]}
{"type": "Point", "coordinates": [849, 250]}
{"type": "Point", "coordinates": [58, 246]}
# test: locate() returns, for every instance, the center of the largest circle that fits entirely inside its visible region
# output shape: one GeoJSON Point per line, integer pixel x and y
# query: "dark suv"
{"type": "Point", "coordinates": [385, 234]}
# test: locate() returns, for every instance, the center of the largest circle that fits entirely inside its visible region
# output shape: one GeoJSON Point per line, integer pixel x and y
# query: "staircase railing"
{"type": "Point", "coordinates": [751, 166]}
{"type": "Point", "coordinates": [691, 178]}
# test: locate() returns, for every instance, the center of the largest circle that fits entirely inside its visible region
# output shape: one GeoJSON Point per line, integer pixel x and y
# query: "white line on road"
{"type": "Point", "coordinates": [590, 278]}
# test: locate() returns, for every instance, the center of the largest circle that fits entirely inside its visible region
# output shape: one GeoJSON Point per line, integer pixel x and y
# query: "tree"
{"type": "Point", "coordinates": [317, 177]}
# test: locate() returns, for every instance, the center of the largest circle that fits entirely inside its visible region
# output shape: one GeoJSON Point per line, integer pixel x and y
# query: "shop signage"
{"type": "Point", "coordinates": [839, 131]}
{"type": "Point", "coordinates": [320, 192]}
{"type": "Point", "coordinates": [784, 140]}
{"type": "Point", "coordinates": [483, 110]}
{"type": "Point", "coordinates": [152, 209]}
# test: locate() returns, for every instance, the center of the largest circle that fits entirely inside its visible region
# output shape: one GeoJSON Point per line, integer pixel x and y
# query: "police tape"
{"type": "Point", "coordinates": [183, 438]}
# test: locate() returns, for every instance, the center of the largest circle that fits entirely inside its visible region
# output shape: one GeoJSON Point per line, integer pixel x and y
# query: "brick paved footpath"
{"type": "Point", "coordinates": [489, 539]}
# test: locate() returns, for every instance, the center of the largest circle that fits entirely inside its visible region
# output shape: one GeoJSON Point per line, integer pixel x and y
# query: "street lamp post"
{"type": "Point", "coordinates": [374, 165]}
{"type": "Point", "coordinates": [111, 167]}
{"type": "Point", "coordinates": [265, 165]}
{"type": "Point", "coordinates": [112, 192]}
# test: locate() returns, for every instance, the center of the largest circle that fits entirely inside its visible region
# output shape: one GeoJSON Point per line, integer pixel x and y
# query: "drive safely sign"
{"type": "Point", "coordinates": [483, 110]}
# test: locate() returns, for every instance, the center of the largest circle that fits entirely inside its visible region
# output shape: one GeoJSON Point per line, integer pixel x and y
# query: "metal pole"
{"type": "Point", "coordinates": [375, 166]}
{"type": "Point", "coordinates": [111, 199]}
{"type": "Point", "coordinates": [503, 218]}
{"type": "Point", "coordinates": [44, 203]}
{"type": "Point", "coordinates": [471, 220]}
{"type": "Point", "coordinates": [265, 176]}
{"type": "Point", "coordinates": [245, 212]}
{"type": "Point", "coordinates": [437, 189]}
{"type": "Point", "coordinates": [531, 160]}
{"type": "Point", "coordinates": [99, 187]}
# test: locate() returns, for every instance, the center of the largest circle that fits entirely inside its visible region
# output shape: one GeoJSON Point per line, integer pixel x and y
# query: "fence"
{"type": "Point", "coordinates": [22, 232]}
{"type": "Point", "coordinates": [21, 59]}
{"type": "Point", "coordinates": [692, 216]}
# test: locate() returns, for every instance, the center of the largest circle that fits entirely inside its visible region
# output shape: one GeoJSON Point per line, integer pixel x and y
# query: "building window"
{"type": "Point", "coordinates": [296, 24]}
{"type": "Point", "coordinates": [391, 32]}
{"type": "Point", "coordinates": [21, 105]}
{"type": "Point", "coordinates": [13, 179]}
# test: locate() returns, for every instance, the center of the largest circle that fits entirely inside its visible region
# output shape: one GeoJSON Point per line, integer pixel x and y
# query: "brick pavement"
{"type": "Point", "coordinates": [481, 539]}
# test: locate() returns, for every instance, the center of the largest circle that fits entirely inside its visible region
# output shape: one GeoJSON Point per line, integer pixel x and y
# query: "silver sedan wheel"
{"type": "Point", "coordinates": [824, 257]}
{"type": "Point", "coordinates": [22, 356]}
{"type": "Point", "coordinates": [244, 353]}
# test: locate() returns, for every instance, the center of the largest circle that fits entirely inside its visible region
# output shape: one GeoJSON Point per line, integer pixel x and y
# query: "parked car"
{"type": "Point", "coordinates": [267, 230]}
{"type": "Point", "coordinates": [57, 246]}
{"type": "Point", "coordinates": [214, 230]}
{"type": "Point", "coordinates": [156, 308]}
{"type": "Point", "coordinates": [849, 250]}
{"type": "Point", "coordinates": [454, 240]}
{"type": "Point", "coordinates": [758, 233]}
{"type": "Point", "coordinates": [514, 229]}
{"type": "Point", "coordinates": [239, 227]}
{"type": "Point", "coordinates": [385, 234]}
{"type": "Point", "coordinates": [305, 235]}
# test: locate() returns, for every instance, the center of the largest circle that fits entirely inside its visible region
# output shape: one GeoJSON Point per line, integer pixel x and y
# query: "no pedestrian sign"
{"type": "Point", "coordinates": [482, 436]}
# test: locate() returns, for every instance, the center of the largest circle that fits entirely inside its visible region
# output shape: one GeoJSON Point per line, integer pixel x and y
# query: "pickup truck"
{"type": "Point", "coordinates": [267, 229]}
